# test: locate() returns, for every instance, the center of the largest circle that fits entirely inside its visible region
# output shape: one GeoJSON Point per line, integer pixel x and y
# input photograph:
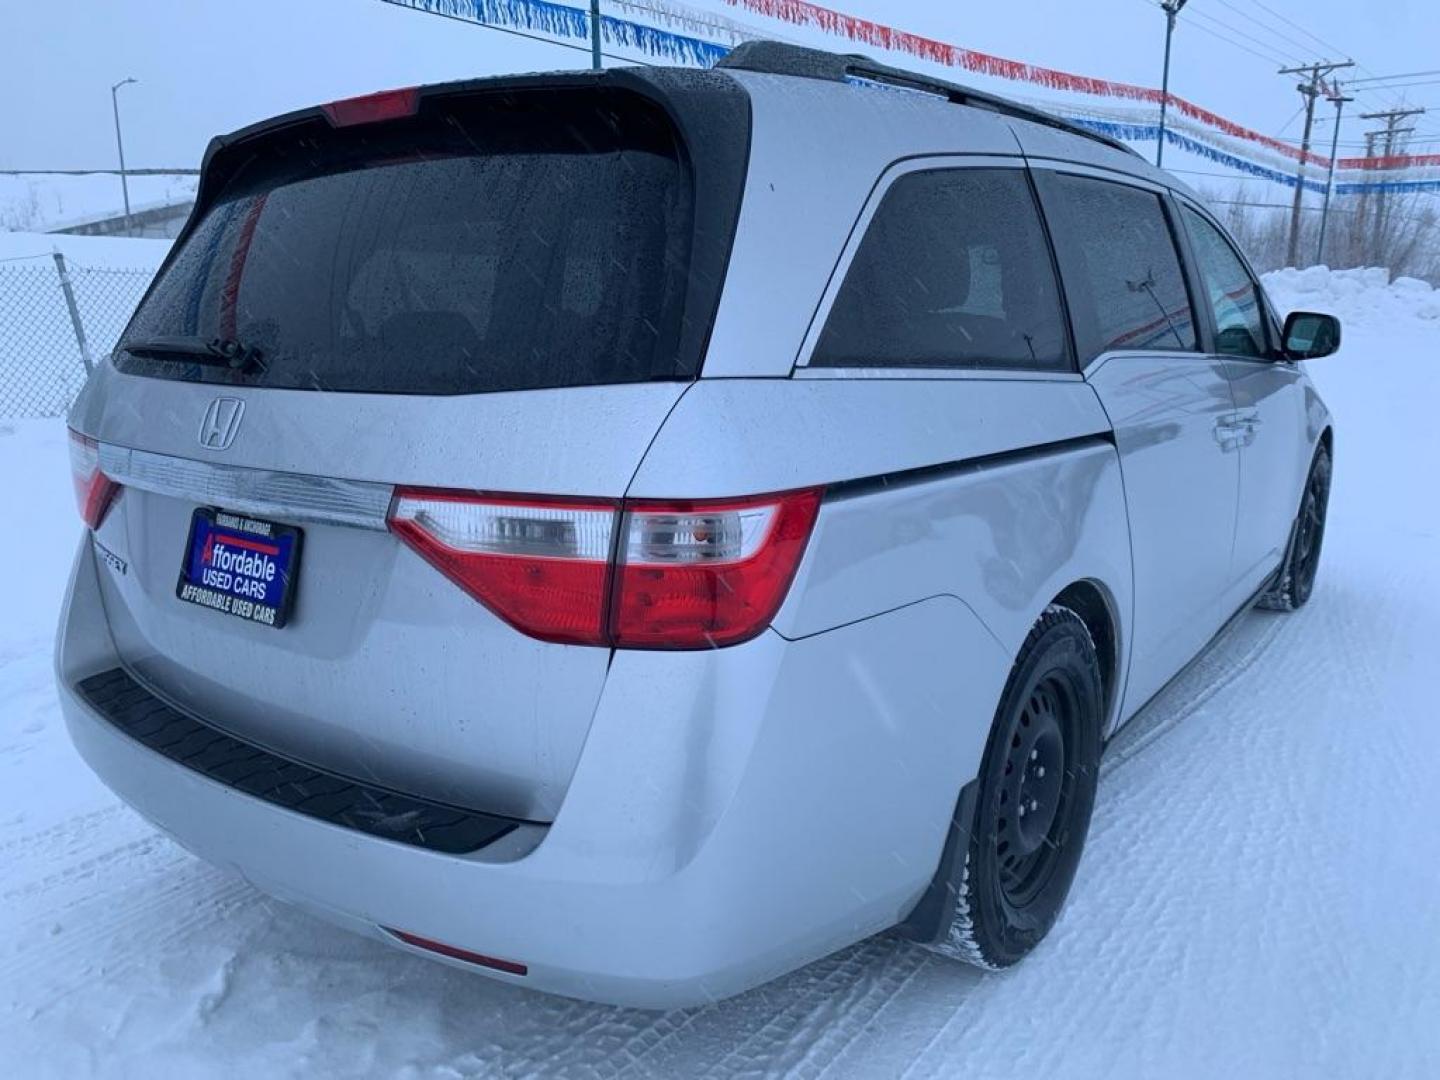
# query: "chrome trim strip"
{"type": "Point", "coordinates": [315, 500]}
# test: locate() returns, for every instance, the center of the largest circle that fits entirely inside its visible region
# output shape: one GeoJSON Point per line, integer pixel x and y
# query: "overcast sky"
{"type": "Point", "coordinates": [206, 66]}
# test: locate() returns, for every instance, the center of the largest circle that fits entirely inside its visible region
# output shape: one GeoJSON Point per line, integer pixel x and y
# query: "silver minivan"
{"type": "Point", "coordinates": [634, 533]}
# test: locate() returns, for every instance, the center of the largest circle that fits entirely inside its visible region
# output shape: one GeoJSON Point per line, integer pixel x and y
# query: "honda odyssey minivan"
{"type": "Point", "coordinates": [633, 533]}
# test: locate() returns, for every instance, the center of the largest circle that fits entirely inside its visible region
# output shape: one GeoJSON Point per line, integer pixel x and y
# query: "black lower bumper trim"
{"type": "Point", "coordinates": [285, 783]}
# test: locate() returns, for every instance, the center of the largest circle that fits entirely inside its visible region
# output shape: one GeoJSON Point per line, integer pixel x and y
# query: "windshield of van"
{"type": "Point", "coordinates": [504, 245]}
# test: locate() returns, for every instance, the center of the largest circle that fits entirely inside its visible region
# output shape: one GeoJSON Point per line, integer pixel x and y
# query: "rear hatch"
{"type": "Point", "coordinates": [499, 287]}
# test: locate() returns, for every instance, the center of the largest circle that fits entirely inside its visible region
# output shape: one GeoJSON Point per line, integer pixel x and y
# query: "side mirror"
{"type": "Point", "coordinates": [1309, 334]}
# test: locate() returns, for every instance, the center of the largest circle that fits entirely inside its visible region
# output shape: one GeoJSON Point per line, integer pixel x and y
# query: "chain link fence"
{"type": "Point", "coordinates": [56, 319]}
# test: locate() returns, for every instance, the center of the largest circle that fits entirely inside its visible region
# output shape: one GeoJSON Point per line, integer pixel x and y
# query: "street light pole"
{"type": "Point", "coordinates": [120, 145]}
{"type": "Point", "coordinates": [595, 34]}
{"type": "Point", "coordinates": [1171, 9]}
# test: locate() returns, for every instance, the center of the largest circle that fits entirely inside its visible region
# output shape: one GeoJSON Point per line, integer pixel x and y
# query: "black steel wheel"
{"type": "Point", "coordinates": [1036, 790]}
{"type": "Point", "coordinates": [1302, 559]}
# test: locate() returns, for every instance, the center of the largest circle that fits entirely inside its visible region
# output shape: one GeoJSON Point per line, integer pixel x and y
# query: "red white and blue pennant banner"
{"type": "Point", "coordinates": [678, 33]}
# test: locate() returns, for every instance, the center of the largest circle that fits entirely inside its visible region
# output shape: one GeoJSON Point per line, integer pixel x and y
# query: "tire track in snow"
{"type": "Point", "coordinates": [65, 922]}
{"type": "Point", "coordinates": [839, 991]}
{"type": "Point", "coordinates": [650, 1040]}
{"type": "Point", "coordinates": [80, 825]}
{"type": "Point", "coordinates": [1162, 714]}
{"type": "Point", "coordinates": [913, 961]}
{"type": "Point", "coordinates": [86, 868]}
{"type": "Point", "coordinates": [590, 1031]}
{"type": "Point", "coordinates": [108, 918]}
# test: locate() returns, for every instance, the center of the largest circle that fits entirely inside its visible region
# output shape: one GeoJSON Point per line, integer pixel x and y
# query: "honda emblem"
{"type": "Point", "coordinates": [222, 421]}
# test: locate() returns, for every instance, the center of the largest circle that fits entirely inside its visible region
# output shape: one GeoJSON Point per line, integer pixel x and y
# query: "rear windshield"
{"type": "Point", "coordinates": [510, 242]}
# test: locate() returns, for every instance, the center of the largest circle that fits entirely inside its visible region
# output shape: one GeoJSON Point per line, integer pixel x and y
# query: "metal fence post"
{"type": "Point", "coordinates": [40, 327]}
{"type": "Point", "coordinates": [75, 322]}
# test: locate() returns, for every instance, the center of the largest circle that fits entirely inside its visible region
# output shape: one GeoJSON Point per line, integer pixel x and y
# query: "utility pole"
{"type": "Point", "coordinates": [120, 146]}
{"type": "Point", "coordinates": [595, 34]}
{"type": "Point", "coordinates": [1392, 129]}
{"type": "Point", "coordinates": [1310, 89]}
{"type": "Point", "coordinates": [1362, 218]}
{"type": "Point", "coordinates": [1337, 99]}
{"type": "Point", "coordinates": [1171, 9]}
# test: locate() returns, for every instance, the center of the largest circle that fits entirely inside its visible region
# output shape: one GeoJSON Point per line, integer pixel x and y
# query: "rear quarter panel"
{"type": "Point", "coordinates": [996, 492]}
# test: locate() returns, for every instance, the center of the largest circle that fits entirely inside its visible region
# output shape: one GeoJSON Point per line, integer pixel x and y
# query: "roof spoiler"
{"type": "Point", "coordinates": [780, 58]}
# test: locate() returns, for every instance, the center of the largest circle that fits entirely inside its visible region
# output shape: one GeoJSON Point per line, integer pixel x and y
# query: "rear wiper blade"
{"type": "Point", "coordinates": [221, 352]}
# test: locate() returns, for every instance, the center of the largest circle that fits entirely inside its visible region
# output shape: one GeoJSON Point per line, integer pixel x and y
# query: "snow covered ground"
{"type": "Point", "coordinates": [52, 201]}
{"type": "Point", "coordinates": [1260, 895]}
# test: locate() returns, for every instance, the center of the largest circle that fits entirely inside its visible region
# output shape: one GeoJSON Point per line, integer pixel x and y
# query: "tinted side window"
{"type": "Point", "coordinates": [1233, 296]}
{"type": "Point", "coordinates": [1122, 273]}
{"type": "Point", "coordinates": [954, 271]}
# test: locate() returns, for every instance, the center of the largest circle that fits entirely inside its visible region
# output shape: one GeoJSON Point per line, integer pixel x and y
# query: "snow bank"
{"type": "Point", "coordinates": [1364, 295]}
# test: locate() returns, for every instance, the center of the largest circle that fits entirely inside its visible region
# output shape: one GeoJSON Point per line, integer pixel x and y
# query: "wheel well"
{"type": "Point", "coordinates": [1086, 599]}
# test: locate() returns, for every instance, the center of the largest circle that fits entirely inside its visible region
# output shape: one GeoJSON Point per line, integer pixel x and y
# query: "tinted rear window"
{"type": "Point", "coordinates": [512, 242]}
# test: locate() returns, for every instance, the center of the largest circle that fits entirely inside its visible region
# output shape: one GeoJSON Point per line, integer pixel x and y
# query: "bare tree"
{"type": "Point", "coordinates": [1403, 236]}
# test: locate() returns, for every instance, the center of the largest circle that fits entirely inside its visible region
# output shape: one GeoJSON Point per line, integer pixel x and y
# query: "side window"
{"type": "Point", "coordinates": [1231, 292]}
{"type": "Point", "coordinates": [954, 271]}
{"type": "Point", "coordinates": [1122, 272]}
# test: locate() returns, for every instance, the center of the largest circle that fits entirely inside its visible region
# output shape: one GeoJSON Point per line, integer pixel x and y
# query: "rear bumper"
{"type": "Point", "coordinates": [735, 813]}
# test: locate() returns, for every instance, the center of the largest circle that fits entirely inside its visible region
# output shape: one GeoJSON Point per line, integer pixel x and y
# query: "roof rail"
{"type": "Point", "coordinates": [780, 58]}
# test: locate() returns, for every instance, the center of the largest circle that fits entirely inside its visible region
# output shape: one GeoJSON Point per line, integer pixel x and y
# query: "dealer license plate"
{"type": "Point", "coordinates": [241, 566]}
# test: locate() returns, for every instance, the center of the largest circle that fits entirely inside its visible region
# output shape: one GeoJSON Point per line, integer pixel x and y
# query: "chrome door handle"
{"type": "Point", "coordinates": [1236, 430]}
{"type": "Point", "coordinates": [1247, 422]}
{"type": "Point", "coordinates": [1230, 431]}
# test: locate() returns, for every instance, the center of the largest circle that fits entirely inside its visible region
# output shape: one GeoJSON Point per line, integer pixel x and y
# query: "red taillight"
{"type": "Point", "coordinates": [94, 491]}
{"type": "Point", "coordinates": [371, 108]}
{"type": "Point", "coordinates": [680, 575]}
{"type": "Point", "coordinates": [510, 967]}
{"type": "Point", "coordinates": [542, 565]}
{"type": "Point", "coordinates": [693, 575]}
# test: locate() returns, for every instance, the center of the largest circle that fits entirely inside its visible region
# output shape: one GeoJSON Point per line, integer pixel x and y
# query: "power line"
{"type": "Point", "coordinates": [1391, 78]}
{"type": "Point", "coordinates": [1289, 41]}
{"type": "Point", "coordinates": [1278, 56]}
{"type": "Point", "coordinates": [1237, 44]}
{"type": "Point", "coordinates": [1293, 117]}
{"type": "Point", "coordinates": [1294, 25]}
{"type": "Point", "coordinates": [1379, 91]}
{"type": "Point", "coordinates": [1327, 46]}
{"type": "Point", "coordinates": [1218, 35]}
{"type": "Point", "coordinates": [1404, 86]}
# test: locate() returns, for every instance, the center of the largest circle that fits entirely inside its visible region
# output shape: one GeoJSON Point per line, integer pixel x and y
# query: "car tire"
{"type": "Point", "coordinates": [1302, 556]}
{"type": "Point", "coordinates": [1033, 800]}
